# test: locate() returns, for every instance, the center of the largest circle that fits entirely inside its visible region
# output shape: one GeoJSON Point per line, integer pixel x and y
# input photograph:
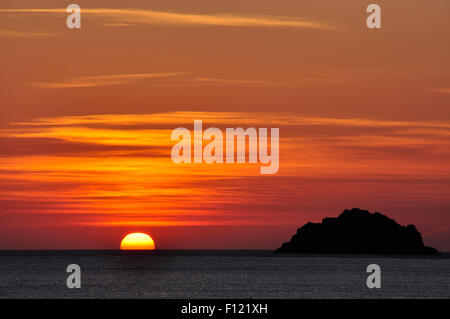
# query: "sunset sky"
{"type": "Point", "coordinates": [86, 117]}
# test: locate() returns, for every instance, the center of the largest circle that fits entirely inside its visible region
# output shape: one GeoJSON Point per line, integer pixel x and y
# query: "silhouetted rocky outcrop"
{"type": "Point", "coordinates": [357, 231]}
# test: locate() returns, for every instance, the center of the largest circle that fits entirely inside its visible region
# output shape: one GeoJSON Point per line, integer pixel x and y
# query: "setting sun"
{"type": "Point", "coordinates": [137, 241]}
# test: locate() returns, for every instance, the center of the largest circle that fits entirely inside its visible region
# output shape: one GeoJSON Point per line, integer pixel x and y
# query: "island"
{"type": "Point", "coordinates": [357, 231]}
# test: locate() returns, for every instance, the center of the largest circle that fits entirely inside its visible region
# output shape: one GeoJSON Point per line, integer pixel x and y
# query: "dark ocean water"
{"type": "Point", "coordinates": [218, 274]}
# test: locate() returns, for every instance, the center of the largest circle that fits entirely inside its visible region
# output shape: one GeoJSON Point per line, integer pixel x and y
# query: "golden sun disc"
{"type": "Point", "coordinates": [137, 241]}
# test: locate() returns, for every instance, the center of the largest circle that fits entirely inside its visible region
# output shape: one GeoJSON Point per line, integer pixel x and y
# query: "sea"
{"type": "Point", "coordinates": [226, 274]}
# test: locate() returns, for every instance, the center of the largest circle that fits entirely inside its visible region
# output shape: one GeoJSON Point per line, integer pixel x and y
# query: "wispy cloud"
{"type": "Point", "coordinates": [272, 82]}
{"type": "Point", "coordinates": [117, 24]}
{"type": "Point", "coordinates": [228, 118]}
{"type": "Point", "coordinates": [186, 78]}
{"type": "Point", "coordinates": [231, 81]}
{"type": "Point", "coordinates": [442, 90]}
{"type": "Point", "coordinates": [139, 16]}
{"type": "Point", "coordinates": [25, 34]}
{"type": "Point", "coordinates": [102, 80]}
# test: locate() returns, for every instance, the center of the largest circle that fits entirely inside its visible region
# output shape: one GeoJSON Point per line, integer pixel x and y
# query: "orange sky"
{"type": "Point", "coordinates": [86, 119]}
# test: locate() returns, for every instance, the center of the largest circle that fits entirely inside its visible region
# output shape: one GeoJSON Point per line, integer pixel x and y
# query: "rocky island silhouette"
{"type": "Point", "coordinates": [357, 231]}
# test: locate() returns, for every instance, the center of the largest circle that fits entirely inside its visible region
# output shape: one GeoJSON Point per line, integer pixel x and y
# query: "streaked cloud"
{"type": "Point", "coordinates": [295, 81]}
{"type": "Point", "coordinates": [102, 80]}
{"type": "Point", "coordinates": [141, 16]}
{"type": "Point", "coordinates": [231, 81]}
{"type": "Point", "coordinates": [224, 118]}
{"type": "Point", "coordinates": [157, 137]}
{"type": "Point", "coordinates": [119, 172]}
{"type": "Point", "coordinates": [25, 34]}
{"type": "Point", "coordinates": [117, 24]}
{"type": "Point", "coordinates": [442, 90]}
